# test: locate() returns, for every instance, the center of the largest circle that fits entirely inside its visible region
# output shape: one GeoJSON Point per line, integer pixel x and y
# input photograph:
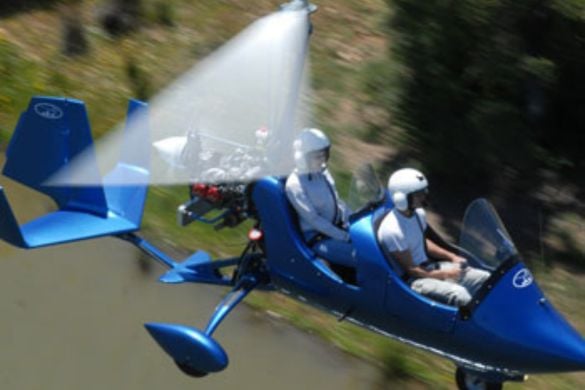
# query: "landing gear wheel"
{"type": "Point", "coordinates": [189, 370]}
{"type": "Point", "coordinates": [467, 381]}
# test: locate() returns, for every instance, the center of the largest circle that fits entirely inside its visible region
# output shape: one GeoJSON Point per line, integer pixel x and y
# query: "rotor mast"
{"type": "Point", "coordinates": [297, 5]}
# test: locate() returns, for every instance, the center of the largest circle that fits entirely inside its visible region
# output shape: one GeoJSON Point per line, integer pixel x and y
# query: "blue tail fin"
{"type": "Point", "coordinates": [49, 134]}
{"type": "Point", "coordinates": [9, 230]}
{"type": "Point", "coordinates": [128, 200]}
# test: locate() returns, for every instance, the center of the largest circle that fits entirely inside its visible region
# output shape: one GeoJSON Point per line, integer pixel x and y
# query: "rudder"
{"type": "Point", "coordinates": [50, 133]}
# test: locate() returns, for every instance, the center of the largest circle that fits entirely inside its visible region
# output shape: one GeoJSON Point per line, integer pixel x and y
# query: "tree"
{"type": "Point", "coordinates": [9, 7]}
{"type": "Point", "coordinates": [120, 17]}
{"type": "Point", "coordinates": [491, 85]}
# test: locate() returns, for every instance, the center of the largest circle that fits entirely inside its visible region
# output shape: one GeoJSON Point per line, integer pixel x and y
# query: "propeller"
{"type": "Point", "coordinates": [232, 117]}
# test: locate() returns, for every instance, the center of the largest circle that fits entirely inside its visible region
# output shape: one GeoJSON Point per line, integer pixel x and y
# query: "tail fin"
{"type": "Point", "coordinates": [128, 200]}
{"type": "Point", "coordinates": [9, 230]}
{"type": "Point", "coordinates": [49, 134]}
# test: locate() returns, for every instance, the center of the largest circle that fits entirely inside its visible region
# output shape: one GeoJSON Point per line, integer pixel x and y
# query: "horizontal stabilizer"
{"type": "Point", "coordinates": [57, 227]}
{"type": "Point", "coordinates": [51, 133]}
{"type": "Point", "coordinates": [197, 268]}
{"type": "Point", "coordinates": [66, 226]}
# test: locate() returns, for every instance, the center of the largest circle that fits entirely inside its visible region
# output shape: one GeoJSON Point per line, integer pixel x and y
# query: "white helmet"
{"type": "Point", "coordinates": [403, 183]}
{"type": "Point", "coordinates": [308, 147]}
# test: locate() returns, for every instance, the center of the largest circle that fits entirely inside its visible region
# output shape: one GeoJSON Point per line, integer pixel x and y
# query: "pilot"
{"type": "Point", "coordinates": [428, 268]}
{"type": "Point", "coordinates": [310, 188]}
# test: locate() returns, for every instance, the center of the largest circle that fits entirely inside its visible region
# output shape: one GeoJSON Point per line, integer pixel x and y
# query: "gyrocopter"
{"type": "Point", "coordinates": [226, 129]}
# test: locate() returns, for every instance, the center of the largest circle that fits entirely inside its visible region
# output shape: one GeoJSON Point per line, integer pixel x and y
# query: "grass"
{"type": "Point", "coordinates": [349, 55]}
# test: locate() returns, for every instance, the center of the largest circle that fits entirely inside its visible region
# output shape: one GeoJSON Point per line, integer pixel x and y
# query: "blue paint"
{"type": "Point", "coordinates": [511, 330]}
{"type": "Point", "coordinates": [189, 346]}
{"type": "Point", "coordinates": [42, 144]}
{"type": "Point", "coordinates": [49, 134]}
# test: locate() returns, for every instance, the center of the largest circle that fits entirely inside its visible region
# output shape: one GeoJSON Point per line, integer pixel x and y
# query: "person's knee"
{"type": "Point", "coordinates": [474, 279]}
{"type": "Point", "coordinates": [441, 291]}
{"type": "Point", "coordinates": [459, 296]}
{"type": "Point", "coordinates": [422, 286]}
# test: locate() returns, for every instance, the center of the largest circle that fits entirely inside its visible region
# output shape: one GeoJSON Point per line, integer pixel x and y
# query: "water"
{"type": "Point", "coordinates": [71, 318]}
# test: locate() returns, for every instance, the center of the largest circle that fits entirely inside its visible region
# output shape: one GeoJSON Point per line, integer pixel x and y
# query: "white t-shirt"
{"type": "Point", "coordinates": [399, 233]}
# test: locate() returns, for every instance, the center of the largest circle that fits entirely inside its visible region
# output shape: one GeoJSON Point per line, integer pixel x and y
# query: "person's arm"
{"type": "Point", "coordinates": [438, 252]}
{"type": "Point", "coordinates": [308, 213]}
{"type": "Point", "coordinates": [342, 207]}
{"type": "Point", "coordinates": [404, 259]}
{"type": "Point", "coordinates": [345, 212]}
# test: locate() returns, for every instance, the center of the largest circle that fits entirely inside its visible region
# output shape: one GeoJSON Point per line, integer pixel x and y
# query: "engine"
{"type": "Point", "coordinates": [220, 204]}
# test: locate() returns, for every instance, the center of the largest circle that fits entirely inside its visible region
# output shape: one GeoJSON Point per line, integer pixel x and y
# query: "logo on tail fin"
{"type": "Point", "coordinates": [48, 111]}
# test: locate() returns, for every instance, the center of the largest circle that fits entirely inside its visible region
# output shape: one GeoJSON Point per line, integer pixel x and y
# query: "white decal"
{"type": "Point", "coordinates": [523, 278]}
{"type": "Point", "coordinates": [48, 111]}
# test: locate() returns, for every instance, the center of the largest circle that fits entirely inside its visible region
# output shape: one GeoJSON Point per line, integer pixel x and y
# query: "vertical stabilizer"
{"type": "Point", "coordinates": [49, 134]}
{"type": "Point", "coordinates": [127, 196]}
{"type": "Point", "coordinates": [9, 229]}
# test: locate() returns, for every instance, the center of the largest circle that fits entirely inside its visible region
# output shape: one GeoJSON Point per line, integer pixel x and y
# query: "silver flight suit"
{"type": "Point", "coordinates": [321, 212]}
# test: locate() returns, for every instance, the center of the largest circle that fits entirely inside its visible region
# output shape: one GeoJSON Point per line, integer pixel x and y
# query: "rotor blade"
{"type": "Point", "coordinates": [233, 116]}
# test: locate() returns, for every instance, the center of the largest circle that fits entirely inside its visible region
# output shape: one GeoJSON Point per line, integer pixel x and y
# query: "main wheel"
{"type": "Point", "coordinates": [189, 370]}
{"type": "Point", "coordinates": [467, 381]}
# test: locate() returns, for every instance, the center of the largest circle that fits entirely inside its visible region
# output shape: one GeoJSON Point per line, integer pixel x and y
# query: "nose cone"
{"type": "Point", "coordinates": [524, 332]}
{"type": "Point", "coordinates": [558, 346]}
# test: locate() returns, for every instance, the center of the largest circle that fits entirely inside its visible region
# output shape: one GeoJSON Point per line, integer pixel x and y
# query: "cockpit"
{"type": "Point", "coordinates": [484, 241]}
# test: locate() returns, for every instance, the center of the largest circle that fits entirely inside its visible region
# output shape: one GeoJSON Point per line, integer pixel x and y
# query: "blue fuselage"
{"type": "Point", "coordinates": [511, 329]}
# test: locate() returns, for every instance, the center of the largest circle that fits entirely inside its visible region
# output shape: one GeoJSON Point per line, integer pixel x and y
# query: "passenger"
{"type": "Point", "coordinates": [311, 191]}
{"type": "Point", "coordinates": [441, 275]}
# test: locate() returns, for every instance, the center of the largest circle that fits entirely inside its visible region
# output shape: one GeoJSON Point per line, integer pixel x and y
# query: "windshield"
{"type": "Point", "coordinates": [365, 189]}
{"type": "Point", "coordinates": [484, 236]}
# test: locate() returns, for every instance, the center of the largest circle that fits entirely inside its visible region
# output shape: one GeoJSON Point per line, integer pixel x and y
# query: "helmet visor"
{"type": "Point", "coordinates": [317, 160]}
{"type": "Point", "coordinates": [419, 198]}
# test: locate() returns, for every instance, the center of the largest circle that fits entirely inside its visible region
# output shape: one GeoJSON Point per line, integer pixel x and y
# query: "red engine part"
{"type": "Point", "coordinates": [213, 194]}
{"type": "Point", "coordinates": [208, 192]}
{"type": "Point", "coordinates": [199, 189]}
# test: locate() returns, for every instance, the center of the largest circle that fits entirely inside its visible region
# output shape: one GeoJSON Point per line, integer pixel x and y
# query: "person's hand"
{"type": "Point", "coordinates": [452, 273]}
{"type": "Point", "coordinates": [459, 260]}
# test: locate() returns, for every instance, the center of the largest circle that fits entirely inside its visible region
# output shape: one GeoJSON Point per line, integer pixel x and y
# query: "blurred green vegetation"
{"type": "Point", "coordinates": [483, 94]}
{"type": "Point", "coordinates": [491, 85]}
